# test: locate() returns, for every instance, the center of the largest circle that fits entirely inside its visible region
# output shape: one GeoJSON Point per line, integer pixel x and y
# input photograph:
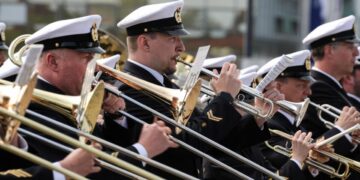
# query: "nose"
{"type": "Point", "coordinates": [180, 45]}
{"type": "Point", "coordinates": [356, 51]}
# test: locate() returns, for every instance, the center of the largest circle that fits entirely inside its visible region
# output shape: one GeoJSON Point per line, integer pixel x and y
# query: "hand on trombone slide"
{"type": "Point", "coordinates": [81, 161]}
{"type": "Point", "coordinates": [113, 103]}
{"type": "Point", "coordinates": [155, 138]}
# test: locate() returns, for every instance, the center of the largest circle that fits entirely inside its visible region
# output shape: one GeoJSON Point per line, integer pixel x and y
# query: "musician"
{"type": "Point", "coordinates": [333, 48]}
{"type": "Point", "coordinates": [294, 82]}
{"type": "Point", "coordinates": [154, 43]}
{"type": "Point", "coordinates": [3, 46]}
{"type": "Point", "coordinates": [68, 47]}
{"type": "Point", "coordinates": [13, 167]}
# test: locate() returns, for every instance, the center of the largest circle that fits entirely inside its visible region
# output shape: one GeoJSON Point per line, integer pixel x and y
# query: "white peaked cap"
{"type": "Point", "coordinates": [218, 62]}
{"type": "Point", "coordinates": [161, 17]}
{"type": "Point", "coordinates": [109, 61]}
{"type": "Point", "coordinates": [78, 33]}
{"type": "Point", "coordinates": [246, 79]}
{"type": "Point", "coordinates": [249, 69]}
{"type": "Point", "coordinates": [338, 30]}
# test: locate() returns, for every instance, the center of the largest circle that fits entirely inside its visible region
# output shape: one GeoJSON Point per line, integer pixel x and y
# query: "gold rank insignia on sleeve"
{"type": "Point", "coordinates": [115, 154]}
{"type": "Point", "coordinates": [19, 173]}
{"type": "Point", "coordinates": [211, 116]}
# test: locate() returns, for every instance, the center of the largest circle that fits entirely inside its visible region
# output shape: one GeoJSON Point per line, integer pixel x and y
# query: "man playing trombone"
{"type": "Point", "coordinates": [154, 45]}
{"type": "Point", "coordinates": [69, 45]}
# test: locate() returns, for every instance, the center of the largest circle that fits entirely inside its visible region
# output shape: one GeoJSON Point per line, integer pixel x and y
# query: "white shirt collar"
{"type": "Point", "coordinates": [288, 116]}
{"type": "Point", "coordinates": [354, 97]}
{"type": "Point", "coordinates": [328, 75]}
{"type": "Point", "coordinates": [156, 74]}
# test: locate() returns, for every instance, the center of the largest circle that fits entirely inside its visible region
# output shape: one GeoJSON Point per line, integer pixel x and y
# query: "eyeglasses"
{"type": "Point", "coordinates": [347, 45]}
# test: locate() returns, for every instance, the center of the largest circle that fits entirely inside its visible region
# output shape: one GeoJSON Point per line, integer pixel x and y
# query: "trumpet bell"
{"type": "Point", "coordinates": [298, 109]}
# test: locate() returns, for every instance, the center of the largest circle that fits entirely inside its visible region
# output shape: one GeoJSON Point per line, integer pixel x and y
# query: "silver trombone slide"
{"type": "Point", "coordinates": [38, 160]}
{"type": "Point", "coordinates": [210, 142]}
{"type": "Point", "coordinates": [67, 149]}
{"type": "Point", "coordinates": [114, 146]}
{"type": "Point", "coordinates": [55, 134]}
{"type": "Point", "coordinates": [192, 149]}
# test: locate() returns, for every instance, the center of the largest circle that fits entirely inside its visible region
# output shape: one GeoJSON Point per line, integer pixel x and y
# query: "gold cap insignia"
{"type": "Point", "coordinates": [308, 64]}
{"type": "Point", "coordinates": [178, 15]}
{"type": "Point", "coordinates": [94, 33]}
{"type": "Point", "coordinates": [3, 36]}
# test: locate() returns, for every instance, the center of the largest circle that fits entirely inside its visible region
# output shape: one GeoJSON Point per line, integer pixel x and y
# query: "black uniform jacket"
{"type": "Point", "coordinates": [326, 91]}
{"type": "Point", "coordinates": [219, 128]}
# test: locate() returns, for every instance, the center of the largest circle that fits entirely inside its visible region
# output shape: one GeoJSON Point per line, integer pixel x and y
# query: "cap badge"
{"type": "Point", "coordinates": [178, 15]}
{"type": "Point", "coordinates": [3, 36]}
{"type": "Point", "coordinates": [94, 33]}
{"type": "Point", "coordinates": [307, 64]}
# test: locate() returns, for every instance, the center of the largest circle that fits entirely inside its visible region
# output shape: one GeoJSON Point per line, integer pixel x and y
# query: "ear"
{"type": "Point", "coordinates": [51, 62]}
{"type": "Point", "coordinates": [328, 50]}
{"type": "Point", "coordinates": [143, 43]}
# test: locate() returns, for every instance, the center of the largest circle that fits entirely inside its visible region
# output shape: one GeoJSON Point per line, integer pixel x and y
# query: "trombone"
{"type": "Point", "coordinates": [195, 134]}
{"type": "Point", "coordinates": [347, 162]}
{"type": "Point", "coordinates": [66, 106]}
{"type": "Point", "coordinates": [17, 99]}
{"type": "Point", "coordinates": [298, 109]}
{"type": "Point", "coordinates": [76, 143]}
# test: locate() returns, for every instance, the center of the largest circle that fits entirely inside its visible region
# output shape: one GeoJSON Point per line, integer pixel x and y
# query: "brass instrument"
{"type": "Point", "coordinates": [196, 135]}
{"type": "Point", "coordinates": [346, 162]}
{"type": "Point", "coordinates": [98, 153]}
{"type": "Point", "coordinates": [335, 113]}
{"type": "Point", "coordinates": [181, 101]}
{"type": "Point", "coordinates": [298, 109]}
{"type": "Point", "coordinates": [15, 99]}
{"type": "Point", "coordinates": [66, 105]}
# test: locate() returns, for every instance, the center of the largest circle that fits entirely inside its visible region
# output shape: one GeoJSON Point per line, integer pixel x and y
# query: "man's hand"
{"type": "Point", "coordinates": [113, 103]}
{"type": "Point", "coordinates": [155, 138]}
{"type": "Point", "coordinates": [319, 157]}
{"type": "Point", "coordinates": [348, 118]}
{"type": "Point", "coordinates": [264, 107]}
{"type": "Point", "coordinates": [228, 80]}
{"type": "Point", "coordinates": [301, 145]}
{"type": "Point", "coordinates": [81, 161]}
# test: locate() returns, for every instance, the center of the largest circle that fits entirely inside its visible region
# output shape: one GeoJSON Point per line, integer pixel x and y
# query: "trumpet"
{"type": "Point", "coordinates": [298, 109]}
{"type": "Point", "coordinates": [335, 113]}
{"type": "Point", "coordinates": [322, 167]}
